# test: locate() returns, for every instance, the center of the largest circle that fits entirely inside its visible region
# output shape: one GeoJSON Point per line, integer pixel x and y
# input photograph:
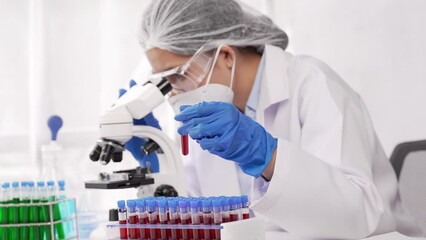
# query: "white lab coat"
{"type": "Point", "coordinates": [332, 178]}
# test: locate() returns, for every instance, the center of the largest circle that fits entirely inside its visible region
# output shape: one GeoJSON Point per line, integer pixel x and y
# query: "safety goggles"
{"type": "Point", "coordinates": [188, 76]}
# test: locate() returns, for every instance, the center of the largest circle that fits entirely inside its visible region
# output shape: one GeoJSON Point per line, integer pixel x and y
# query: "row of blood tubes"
{"type": "Point", "coordinates": [200, 214]}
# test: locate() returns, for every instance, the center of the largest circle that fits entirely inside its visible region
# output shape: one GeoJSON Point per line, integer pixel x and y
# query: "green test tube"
{"type": "Point", "coordinates": [33, 213]}
{"type": "Point", "coordinates": [13, 214]}
{"type": "Point", "coordinates": [24, 211]}
{"type": "Point", "coordinates": [65, 209]}
{"type": "Point", "coordinates": [4, 200]}
{"type": "Point", "coordinates": [53, 197]}
{"type": "Point", "coordinates": [44, 212]}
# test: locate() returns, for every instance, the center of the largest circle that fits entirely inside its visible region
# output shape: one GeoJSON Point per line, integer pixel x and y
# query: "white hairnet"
{"type": "Point", "coordinates": [183, 26]}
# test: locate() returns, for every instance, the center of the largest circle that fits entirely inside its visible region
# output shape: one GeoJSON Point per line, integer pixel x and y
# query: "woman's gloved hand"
{"type": "Point", "coordinates": [134, 145]}
{"type": "Point", "coordinates": [223, 130]}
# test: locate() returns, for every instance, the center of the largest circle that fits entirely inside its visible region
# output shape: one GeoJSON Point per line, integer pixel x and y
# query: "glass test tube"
{"type": "Point", "coordinates": [233, 207]}
{"type": "Point", "coordinates": [185, 144]}
{"type": "Point", "coordinates": [225, 209]}
{"type": "Point", "coordinates": [132, 218]}
{"type": "Point", "coordinates": [207, 217]}
{"type": "Point", "coordinates": [143, 218]}
{"type": "Point", "coordinates": [24, 211]}
{"type": "Point", "coordinates": [245, 207]}
{"type": "Point", "coordinates": [4, 211]}
{"type": "Point", "coordinates": [34, 212]}
{"type": "Point", "coordinates": [44, 211]}
{"type": "Point", "coordinates": [122, 218]}
{"type": "Point", "coordinates": [217, 218]}
{"type": "Point", "coordinates": [162, 212]}
{"type": "Point", "coordinates": [196, 219]}
{"type": "Point", "coordinates": [53, 196]}
{"type": "Point", "coordinates": [185, 219]}
{"type": "Point", "coordinates": [173, 217]}
{"type": "Point", "coordinates": [14, 212]}
{"type": "Point", "coordinates": [152, 217]}
{"type": "Point", "coordinates": [65, 209]}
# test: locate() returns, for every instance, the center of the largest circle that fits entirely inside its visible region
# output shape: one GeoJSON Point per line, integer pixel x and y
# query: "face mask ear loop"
{"type": "Point", "coordinates": [233, 72]}
{"type": "Point", "coordinates": [209, 77]}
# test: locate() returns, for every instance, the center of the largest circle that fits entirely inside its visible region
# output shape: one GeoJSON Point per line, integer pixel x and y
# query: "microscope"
{"type": "Point", "coordinates": [116, 128]}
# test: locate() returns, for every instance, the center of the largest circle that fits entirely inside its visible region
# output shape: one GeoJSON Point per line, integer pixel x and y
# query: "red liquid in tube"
{"type": "Point", "coordinates": [184, 143]}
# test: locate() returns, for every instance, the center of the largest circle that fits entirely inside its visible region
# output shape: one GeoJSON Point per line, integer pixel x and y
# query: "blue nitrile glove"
{"type": "Point", "coordinates": [134, 145]}
{"type": "Point", "coordinates": [223, 130]}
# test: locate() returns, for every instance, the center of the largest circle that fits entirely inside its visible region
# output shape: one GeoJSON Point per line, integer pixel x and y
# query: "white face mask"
{"type": "Point", "coordinates": [208, 93]}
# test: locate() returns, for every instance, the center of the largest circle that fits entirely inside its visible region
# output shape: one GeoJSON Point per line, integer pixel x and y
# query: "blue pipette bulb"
{"type": "Point", "coordinates": [54, 123]}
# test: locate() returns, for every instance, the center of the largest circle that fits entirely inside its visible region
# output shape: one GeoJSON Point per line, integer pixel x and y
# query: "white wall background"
{"type": "Point", "coordinates": [69, 57]}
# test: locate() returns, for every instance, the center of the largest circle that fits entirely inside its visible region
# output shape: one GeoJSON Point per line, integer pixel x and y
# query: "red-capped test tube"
{"type": "Point", "coordinates": [185, 144]}
{"type": "Point", "coordinates": [122, 218]}
{"type": "Point", "coordinates": [132, 218]}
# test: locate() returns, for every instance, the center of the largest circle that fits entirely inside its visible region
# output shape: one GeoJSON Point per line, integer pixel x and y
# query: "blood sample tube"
{"type": "Point", "coordinates": [239, 204]}
{"type": "Point", "coordinates": [132, 218]}
{"type": "Point", "coordinates": [143, 218]}
{"type": "Point", "coordinates": [225, 209]}
{"type": "Point", "coordinates": [152, 216]}
{"type": "Point", "coordinates": [207, 217]}
{"type": "Point", "coordinates": [185, 219]}
{"type": "Point", "coordinates": [173, 217]}
{"type": "Point", "coordinates": [233, 209]}
{"type": "Point", "coordinates": [185, 145]}
{"type": "Point", "coordinates": [245, 207]}
{"type": "Point", "coordinates": [195, 218]}
{"type": "Point", "coordinates": [162, 212]}
{"type": "Point", "coordinates": [217, 217]}
{"type": "Point", "coordinates": [122, 218]}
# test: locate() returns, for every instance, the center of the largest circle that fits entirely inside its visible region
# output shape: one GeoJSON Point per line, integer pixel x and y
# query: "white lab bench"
{"type": "Point", "coordinates": [286, 236]}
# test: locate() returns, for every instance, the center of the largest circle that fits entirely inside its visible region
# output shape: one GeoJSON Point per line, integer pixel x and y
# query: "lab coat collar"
{"type": "Point", "coordinates": [274, 87]}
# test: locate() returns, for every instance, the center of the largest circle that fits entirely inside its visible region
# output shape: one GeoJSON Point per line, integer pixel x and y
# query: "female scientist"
{"type": "Point", "coordinates": [288, 121]}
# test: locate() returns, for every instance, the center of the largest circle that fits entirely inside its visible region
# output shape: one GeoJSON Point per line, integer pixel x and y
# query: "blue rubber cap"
{"type": "Point", "coordinates": [54, 123]}
{"type": "Point", "coordinates": [24, 184]}
{"type": "Point", "coordinates": [140, 204]}
{"type": "Point", "coordinates": [61, 183]}
{"type": "Point", "coordinates": [15, 184]}
{"type": "Point", "coordinates": [6, 185]}
{"type": "Point", "coordinates": [40, 184]}
{"type": "Point", "coordinates": [194, 204]}
{"type": "Point", "coordinates": [50, 183]}
{"type": "Point", "coordinates": [31, 184]}
{"type": "Point", "coordinates": [244, 199]}
{"type": "Point", "coordinates": [121, 204]}
{"type": "Point", "coordinates": [183, 206]}
{"type": "Point", "coordinates": [216, 203]}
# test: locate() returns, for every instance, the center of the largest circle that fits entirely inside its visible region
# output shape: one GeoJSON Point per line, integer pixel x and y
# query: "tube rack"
{"type": "Point", "coordinates": [72, 218]}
